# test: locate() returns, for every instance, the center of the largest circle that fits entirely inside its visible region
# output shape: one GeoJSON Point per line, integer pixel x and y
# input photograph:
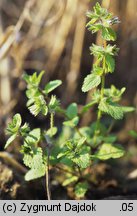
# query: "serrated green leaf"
{"type": "Point", "coordinates": [72, 111]}
{"type": "Point", "coordinates": [90, 82]}
{"type": "Point", "coordinates": [81, 141]}
{"type": "Point", "coordinates": [34, 79]}
{"type": "Point", "coordinates": [97, 70]}
{"type": "Point", "coordinates": [70, 180]}
{"type": "Point", "coordinates": [24, 129]}
{"type": "Point", "coordinates": [97, 8]}
{"type": "Point", "coordinates": [10, 140]}
{"type": "Point", "coordinates": [82, 160]}
{"type": "Point", "coordinates": [100, 52]}
{"type": "Point", "coordinates": [52, 131]}
{"type": "Point", "coordinates": [30, 102]}
{"type": "Point", "coordinates": [54, 103]}
{"type": "Point", "coordinates": [13, 129]}
{"type": "Point", "coordinates": [35, 173]}
{"type": "Point", "coordinates": [72, 123]}
{"type": "Point", "coordinates": [101, 127]}
{"type": "Point", "coordinates": [62, 154]}
{"type": "Point", "coordinates": [27, 159]}
{"type": "Point", "coordinates": [110, 63]}
{"type": "Point", "coordinates": [34, 109]}
{"type": "Point", "coordinates": [112, 109]}
{"type": "Point", "coordinates": [14, 126]}
{"type": "Point", "coordinates": [32, 93]}
{"type": "Point", "coordinates": [101, 12]}
{"type": "Point", "coordinates": [111, 50]}
{"type": "Point", "coordinates": [33, 137]}
{"type": "Point", "coordinates": [39, 105]}
{"type": "Point", "coordinates": [81, 189]}
{"type": "Point", "coordinates": [44, 110]}
{"type": "Point", "coordinates": [40, 76]}
{"type": "Point", "coordinates": [17, 120]}
{"type": "Point", "coordinates": [109, 150]}
{"type": "Point", "coordinates": [97, 51]}
{"type": "Point", "coordinates": [99, 18]}
{"type": "Point", "coordinates": [52, 85]}
{"type": "Point", "coordinates": [38, 168]}
{"type": "Point", "coordinates": [94, 28]}
{"type": "Point", "coordinates": [77, 152]}
{"type": "Point", "coordinates": [114, 93]}
{"type": "Point", "coordinates": [66, 161]}
{"type": "Point", "coordinates": [108, 34]}
{"type": "Point", "coordinates": [37, 161]}
{"type": "Point", "coordinates": [70, 144]}
{"type": "Point", "coordinates": [110, 139]}
{"type": "Point", "coordinates": [86, 132]}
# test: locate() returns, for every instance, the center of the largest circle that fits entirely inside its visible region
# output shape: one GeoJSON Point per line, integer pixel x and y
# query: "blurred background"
{"type": "Point", "coordinates": [51, 35]}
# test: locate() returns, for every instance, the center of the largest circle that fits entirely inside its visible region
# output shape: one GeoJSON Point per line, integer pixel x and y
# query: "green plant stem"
{"type": "Point", "coordinates": [47, 172]}
{"type": "Point", "coordinates": [101, 97]}
{"type": "Point", "coordinates": [99, 114]}
{"type": "Point", "coordinates": [48, 155]}
{"type": "Point", "coordinates": [47, 179]}
{"type": "Point", "coordinates": [51, 121]}
{"type": "Point", "coordinates": [80, 172]}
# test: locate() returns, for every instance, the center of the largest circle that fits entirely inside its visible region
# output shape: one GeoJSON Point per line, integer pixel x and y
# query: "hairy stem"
{"type": "Point", "coordinates": [48, 155]}
{"type": "Point", "coordinates": [51, 122]}
{"type": "Point", "coordinates": [99, 114]}
{"type": "Point", "coordinates": [47, 180]}
{"type": "Point", "coordinates": [101, 97]}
